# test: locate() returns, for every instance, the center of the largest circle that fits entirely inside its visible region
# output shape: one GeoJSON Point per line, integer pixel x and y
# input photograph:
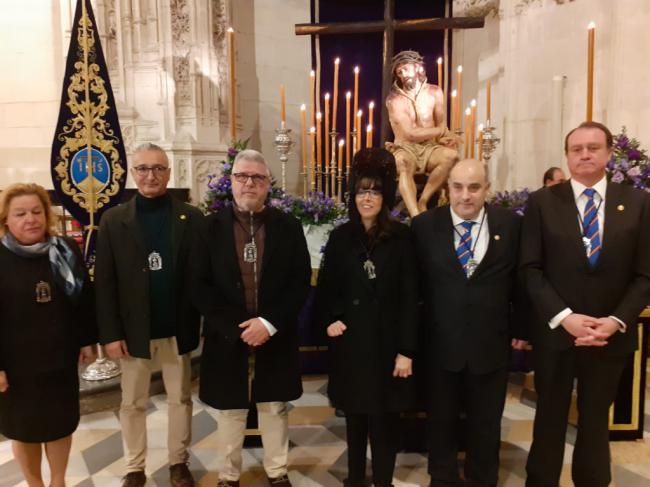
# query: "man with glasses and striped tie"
{"type": "Point", "coordinates": [468, 261]}
{"type": "Point", "coordinates": [584, 258]}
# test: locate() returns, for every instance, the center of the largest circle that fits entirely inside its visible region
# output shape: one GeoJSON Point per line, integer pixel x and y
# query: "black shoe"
{"type": "Point", "coordinates": [180, 476]}
{"type": "Point", "coordinates": [134, 479]}
{"type": "Point", "coordinates": [281, 481]}
{"type": "Point", "coordinates": [227, 483]}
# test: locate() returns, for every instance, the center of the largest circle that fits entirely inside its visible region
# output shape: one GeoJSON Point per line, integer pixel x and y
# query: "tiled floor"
{"type": "Point", "coordinates": [317, 455]}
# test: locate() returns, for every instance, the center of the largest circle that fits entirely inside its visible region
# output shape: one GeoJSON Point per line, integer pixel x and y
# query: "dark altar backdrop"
{"type": "Point", "coordinates": [365, 50]}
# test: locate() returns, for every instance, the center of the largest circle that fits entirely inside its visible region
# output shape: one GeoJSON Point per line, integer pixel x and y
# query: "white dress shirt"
{"type": "Point", "coordinates": [480, 241]}
{"type": "Point", "coordinates": [581, 202]}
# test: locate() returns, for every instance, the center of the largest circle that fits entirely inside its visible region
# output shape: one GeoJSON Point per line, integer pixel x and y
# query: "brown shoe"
{"type": "Point", "coordinates": [134, 479]}
{"type": "Point", "coordinates": [227, 483]}
{"type": "Point", "coordinates": [180, 476]}
{"type": "Point", "coordinates": [281, 481]}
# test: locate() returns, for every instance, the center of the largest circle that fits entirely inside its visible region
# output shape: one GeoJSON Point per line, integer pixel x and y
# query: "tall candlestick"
{"type": "Point", "coordinates": [340, 175]}
{"type": "Point", "coordinates": [335, 100]}
{"type": "Point", "coordinates": [312, 96]}
{"type": "Point", "coordinates": [371, 113]}
{"type": "Point", "coordinates": [488, 110]}
{"type": "Point", "coordinates": [312, 137]}
{"type": "Point", "coordinates": [369, 136]}
{"type": "Point", "coordinates": [480, 141]}
{"type": "Point", "coordinates": [356, 89]}
{"type": "Point", "coordinates": [283, 114]}
{"type": "Point", "coordinates": [440, 79]}
{"type": "Point", "coordinates": [347, 128]}
{"type": "Point", "coordinates": [303, 136]}
{"type": "Point", "coordinates": [468, 116]}
{"type": "Point", "coordinates": [319, 141]}
{"type": "Point", "coordinates": [327, 131]}
{"type": "Point", "coordinates": [357, 126]}
{"type": "Point", "coordinates": [454, 119]}
{"type": "Point", "coordinates": [473, 126]}
{"type": "Point", "coordinates": [233, 84]}
{"type": "Point", "coordinates": [340, 159]}
{"type": "Point", "coordinates": [459, 89]}
{"type": "Point", "coordinates": [591, 35]}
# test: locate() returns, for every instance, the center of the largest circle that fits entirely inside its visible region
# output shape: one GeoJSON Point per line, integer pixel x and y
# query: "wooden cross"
{"type": "Point", "coordinates": [388, 26]}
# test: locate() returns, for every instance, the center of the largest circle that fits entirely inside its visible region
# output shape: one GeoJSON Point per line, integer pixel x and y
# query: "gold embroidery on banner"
{"type": "Point", "coordinates": [76, 133]}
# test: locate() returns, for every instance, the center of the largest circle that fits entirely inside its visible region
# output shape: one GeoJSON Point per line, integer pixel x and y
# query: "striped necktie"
{"type": "Point", "coordinates": [464, 249]}
{"type": "Point", "coordinates": [590, 229]}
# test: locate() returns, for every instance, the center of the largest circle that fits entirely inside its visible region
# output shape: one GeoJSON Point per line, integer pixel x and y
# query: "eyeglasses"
{"type": "Point", "coordinates": [242, 177]}
{"type": "Point", "coordinates": [155, 170]}
{"type": "Point", "coordinates": [372, 193]}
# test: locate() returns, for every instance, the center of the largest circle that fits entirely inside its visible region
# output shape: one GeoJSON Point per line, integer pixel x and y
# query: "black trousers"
{"type": "Point", "coordinates": [382, 429]}
{"type": "Point", "coordinates": [482, 397]}
{"type": "Point", "coordinates": [598, 376]}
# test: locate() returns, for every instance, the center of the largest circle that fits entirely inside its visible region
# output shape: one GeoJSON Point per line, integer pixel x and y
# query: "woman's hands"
{"type": "Point", "coordinates": [87, 354]}
{"type": "Point", "coordinates": [403, 366]}
{"type": "Point", "coordinates": [336, 329]}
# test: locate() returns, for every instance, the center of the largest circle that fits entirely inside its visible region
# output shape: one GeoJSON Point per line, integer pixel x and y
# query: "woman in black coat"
{"type": "Point", "coordinates": [367, 301]}
{"type": "Point", "coordinates": [47, 324]}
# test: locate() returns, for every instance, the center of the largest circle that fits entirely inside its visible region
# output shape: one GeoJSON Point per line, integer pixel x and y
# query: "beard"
{"type": "Point", "coordinates": [409, 82]}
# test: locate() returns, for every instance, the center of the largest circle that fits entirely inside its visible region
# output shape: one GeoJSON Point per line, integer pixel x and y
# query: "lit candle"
{"type": "Point", "coordinates": [356, 89]}
{"type": "Point", "coordinates": [233, 84]}
{"type": "Point", "coordinates": [312, 136]}
{"type": "Point", "coordinates": [440, 80]}
{"type": "Point", "coordinates": [283, 114]}
{"type": "Point", "coordinates": [327, 130]}
{"type": "Point", "coordinates": [489, 101]}
{"type": "Point", "coordinates": [369, 136]}
{"type": "Point", "coordinates": [473, 127]}
{"type": "Point", "coordinates": [480, 141]}
{"type": "Point", "coordinates": [468, 116]}
{"type": "Point", "coordinates": [319, 142]}
{"type": "Point", "coordinates": [454, 101]}
{"type": "Point", "coordinates": [371, 113]}
{"type": "Point", "coordinates": [312, 96]}
{"type": "Point", "coordinates": [340, 160]}
{"type": "Point", "coordinates": [348, 95]}
{"type": "Point", "coordinates": [459, 91]}
{"type": "Point", "coordinates": [303, 135]}
{"type": "Point", "coordinates": [335, 101]}
{"type": "Point", "coordinates": [591, 35]}
{"type": "Point", "coordinates": [357, 126]}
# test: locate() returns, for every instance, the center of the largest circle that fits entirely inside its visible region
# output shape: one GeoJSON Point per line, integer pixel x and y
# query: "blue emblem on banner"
{"type": "Point", "coordinates": [101, 171]}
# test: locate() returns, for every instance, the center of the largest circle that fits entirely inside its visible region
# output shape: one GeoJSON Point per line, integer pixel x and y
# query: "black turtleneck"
{"type": "Point", "coordinates": [154, 215]}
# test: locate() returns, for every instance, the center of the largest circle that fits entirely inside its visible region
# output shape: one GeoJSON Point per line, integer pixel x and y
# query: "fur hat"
{"type": "Point", "coordinates": [378, 164]}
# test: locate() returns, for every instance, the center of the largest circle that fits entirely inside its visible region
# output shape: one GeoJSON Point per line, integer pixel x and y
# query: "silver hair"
{"type": "Point", "coordinates": [148, 146]}
{"type": "Point", "coordinates": [253, 156]}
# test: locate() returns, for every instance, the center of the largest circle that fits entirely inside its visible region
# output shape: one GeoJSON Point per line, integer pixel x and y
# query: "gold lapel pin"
{"type": "Point", "coordinates": [183, 217]}
{"type": "Point", "coordinates": [497, 237]}
{"type": "Point", "coordinates": [620, 207]}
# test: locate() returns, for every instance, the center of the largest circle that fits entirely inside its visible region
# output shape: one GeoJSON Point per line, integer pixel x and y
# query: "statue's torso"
{"type": "Point", "coordinates": [420, 110]}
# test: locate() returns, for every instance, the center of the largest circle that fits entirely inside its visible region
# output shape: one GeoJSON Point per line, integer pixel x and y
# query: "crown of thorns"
{"type": "Point", "coordinates": [406, 57]}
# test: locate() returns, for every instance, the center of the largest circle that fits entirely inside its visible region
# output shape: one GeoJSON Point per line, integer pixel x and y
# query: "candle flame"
{"type": "Point", "coordinates": [348, 95]}
{"type": "Point", "coordinates": [337, 60]}
{"type": "Point", "coordinates": [356, 70]}
{"type": "Point", "coordinates": [312, 73]}
{"type": "Point", "coordinates": [312, 130]}
{"type": "Point", "coordinates": [439, 60]}
{"type": "Point", "coordinates": [460, 69]}
{"type": "Point", "coordinates": [303, 107]}
{"type": "Point", "coordinates": [230, 29]}
{"type": "Point", "coordinates": [369, 128]}
{"type": "Point", "coordinates": [480, 127]}
{"type": "Point", "coordinates": [371, 104]}
{"type": "Point", "coordinates": [341, 143]}
{"type": "Point", "coordinates": [360, 113]}
{"type": "Point", "coordinates": [472, 103]}
{"type": "Point", "coordinates": [319, 115]}
{"type": "Point", "coordinates": [327, 96]}
{"type": "Point", "coordinates": [454, 94]}
{"type": "Point", "coordinates": [468, 111]}
{"type": "Point", "coordinates": [591, 25]}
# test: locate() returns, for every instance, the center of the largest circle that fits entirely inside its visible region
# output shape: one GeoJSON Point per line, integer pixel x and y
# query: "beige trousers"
{"type": "Point", "coordinates": [273, 420]}
{"type": "Point", "coordinates": [136, 377]}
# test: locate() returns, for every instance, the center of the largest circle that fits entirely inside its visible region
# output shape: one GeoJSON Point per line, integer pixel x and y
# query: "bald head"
{"type": "Point", "coordinates": [468, 187]}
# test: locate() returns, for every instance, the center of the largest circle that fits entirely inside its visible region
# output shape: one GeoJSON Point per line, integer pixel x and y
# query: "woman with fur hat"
{"type": "Point", "coordinates": [367, 301]}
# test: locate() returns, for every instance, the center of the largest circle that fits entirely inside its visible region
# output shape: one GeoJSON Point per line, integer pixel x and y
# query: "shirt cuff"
{"type": "Point", "coordinates": [557, 319]}
{"type": "Point", "coordinates": [271, 329]}
{"type": "Point", "coordinates": [622, 326]}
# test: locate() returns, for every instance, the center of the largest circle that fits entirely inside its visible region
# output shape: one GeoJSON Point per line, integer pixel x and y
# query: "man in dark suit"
{"type": "Point", "coordinates": [468, 259]}
{"type": "Point", "coordinates": [145, 316]}
{"type": "Point", "coordinates": [587, 271]}
{"type": "Point", "coordinates": [251, 274]}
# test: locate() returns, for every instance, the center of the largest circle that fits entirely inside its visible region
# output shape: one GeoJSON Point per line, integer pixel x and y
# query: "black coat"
{"type": "Point", "coordinates": [558, 274]}
{"type": "Point", "coordinates": [218, 292]}
{"type": "Point", "coordinates": [470, 322]}
{"type": "Point", "coordinates": [380, 315]}
{"type": "Point", "coordinates": [122, 278]}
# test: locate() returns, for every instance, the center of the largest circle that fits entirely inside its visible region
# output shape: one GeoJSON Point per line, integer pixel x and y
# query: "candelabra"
{"type": "Point", "coordinates": [490, 141]}
{"type": "Point", "coordinates": [101, 369]}
{"type": "Point", "coordinates": [283, 144]}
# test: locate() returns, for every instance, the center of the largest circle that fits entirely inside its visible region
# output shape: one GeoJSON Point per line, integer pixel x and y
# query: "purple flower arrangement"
{"type": "Point", "coordinates": [629, 163]}
{"type": "Point", "coordinates": [513, 200]}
